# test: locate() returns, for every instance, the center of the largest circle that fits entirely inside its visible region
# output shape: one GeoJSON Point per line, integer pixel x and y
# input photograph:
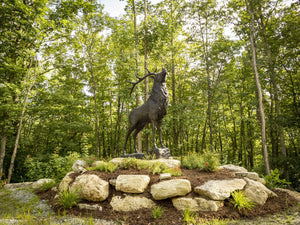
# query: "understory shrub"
{"type": "Point", "coordinates": [207, 161]}
{"type": "Point", "coordinates": [49, 166]}
{"type": "Point", "coordinates": [47, 185]}
{"type": "Point", "coordinates": [240, 201]}
{"type": "Point", "coordinates": [274, 181]}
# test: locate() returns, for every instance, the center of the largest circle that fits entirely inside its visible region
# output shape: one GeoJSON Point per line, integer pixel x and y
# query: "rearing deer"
{"type": "Point", "coordinates": [153, 110]}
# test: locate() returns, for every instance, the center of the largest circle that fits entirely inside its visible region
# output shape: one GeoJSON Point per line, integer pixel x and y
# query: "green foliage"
{"type": "Point", "coordinates": [104, 167]}
{"type": "Point", "coordinates": [157, 212]}
{"type": "Point", "coordinates": [240, 201]}
{"type": "Point", "coordinates": [50, 166]}
{"type": "Point", "coordinates": [89, 159]}
{"type": "Point", "coordinates": [211, 162]}
{"type": "Point", "coordinates": [274, 181]}
{"type": "Point", "coordinates": [68, 199]}
{"type": "Point", "coordinates": [157, 168]}
{"type": "Point", "coordinates": [189, 216]}
{"type": "Point", "coordinates": [47, 185]}
{"type": "Point", "coordinates": [192, 161]}
{"type": "Point", "coordinates": [207, 161]}
{"type": "Point", "coordinates": [175, 172]}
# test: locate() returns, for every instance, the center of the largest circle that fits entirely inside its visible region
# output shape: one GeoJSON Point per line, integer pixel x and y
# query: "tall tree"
{"type": "Point", "coordinates": [250, 10]}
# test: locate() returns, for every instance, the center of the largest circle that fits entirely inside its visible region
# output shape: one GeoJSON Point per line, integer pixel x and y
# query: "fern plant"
{"type": "Point", "coordinates": [68, 199]}
{"type": "Point", "coordinates": [240, 201]}
{"type": "Point", "coordinates": [157, 212]}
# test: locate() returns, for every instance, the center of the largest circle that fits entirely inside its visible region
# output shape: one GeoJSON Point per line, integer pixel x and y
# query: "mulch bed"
{"type": "Point", "coordinates": [171, 215]}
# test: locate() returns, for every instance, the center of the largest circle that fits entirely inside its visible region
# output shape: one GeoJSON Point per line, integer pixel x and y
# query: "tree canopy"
{"type": "Point", "coordinates": [64, 69]}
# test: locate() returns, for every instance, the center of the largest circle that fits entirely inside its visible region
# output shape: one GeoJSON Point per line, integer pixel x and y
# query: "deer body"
{"type": "Point", "coordinates": [152, 111]}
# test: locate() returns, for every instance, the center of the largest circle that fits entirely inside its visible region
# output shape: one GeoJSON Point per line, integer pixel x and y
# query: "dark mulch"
{"type": "Point", "coordinates": [171, 215]}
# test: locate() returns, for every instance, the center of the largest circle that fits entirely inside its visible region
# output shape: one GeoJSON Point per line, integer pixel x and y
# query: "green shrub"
{"type": "Point", "coordinates": [175, 172]}
{"type": "Point", "coordinates": [157, 167]}
{"type": "Point", "coordinates": [210, 162]}
{"type": "Point", "coordinates": [207, 161]}
{"type": "Point", "coordinates": [50, 166]}
{"type": "Point", "coordinates": [192, 161]}
{"type": "Point", "coordinates": [189, 216]}
{"type": "Point", "coordinates": [112, 167]}
{"type": "Point", "coordinates": [157, 212]}
{"type": "Point", "coordinates": [274, 181]}
{"type": "Point", "coordinates": [240, 201]}
{"type": "Point", "coordinates": [68, 199]}
{"type": "Point", "coordinates": [47, 185]}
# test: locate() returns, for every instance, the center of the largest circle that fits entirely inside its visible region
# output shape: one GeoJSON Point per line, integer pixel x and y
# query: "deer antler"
{"type": "Point", "coordinates": [140, 79]}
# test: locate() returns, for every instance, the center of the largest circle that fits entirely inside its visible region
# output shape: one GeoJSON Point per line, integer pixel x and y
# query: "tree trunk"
{"type": "Point", "coordinates": [139, 136]}
{"type": "Point", "coordinates": [2, 150]}
{"type": "Point", "coordinates": [259, 91]}
{"type": "Point", "coordinates": [97, 150]}
{"type": "Point", "coordinates": [147, 143]}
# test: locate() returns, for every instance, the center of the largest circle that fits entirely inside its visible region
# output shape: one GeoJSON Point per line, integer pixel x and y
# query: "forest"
{"type": "Point", "coordinates": [233, 81]}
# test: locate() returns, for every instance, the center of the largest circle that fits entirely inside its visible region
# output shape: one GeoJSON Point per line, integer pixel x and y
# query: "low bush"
{"type": "Point", "coordinates": [274, 181]}
{"type": "Point", "coordinates": [240, 201]}
{"type": "Point", "coordinates": [68, 199]}
{"type": "Point", "coordinates": [47, 185]}
{"type": "Point", "coordinates": [207, 161]}
{"type": "Point", "coordinates": [50, 166]}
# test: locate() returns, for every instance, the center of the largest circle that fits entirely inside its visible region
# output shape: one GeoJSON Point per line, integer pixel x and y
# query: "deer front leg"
{"type": "Point", "coordinates": [159, 130]}
{"type": "Point", "coordinates": [153, 134]}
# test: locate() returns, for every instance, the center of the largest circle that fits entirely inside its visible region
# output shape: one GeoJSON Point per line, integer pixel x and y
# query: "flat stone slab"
{"type": "Point", "coordinates": [17, 185]}
{"type": "Point", "coordinates": [196, 204]}
{"type": "Point", "coordinates": [220, 189]}
{"type": "Point", "coordinates": [131, 203]}
{"type": "Point", "coordinates": [233, 168]}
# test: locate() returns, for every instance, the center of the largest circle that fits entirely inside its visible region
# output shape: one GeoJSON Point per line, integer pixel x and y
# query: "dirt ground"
{"type": "Point", "coordinates": [171, 215]}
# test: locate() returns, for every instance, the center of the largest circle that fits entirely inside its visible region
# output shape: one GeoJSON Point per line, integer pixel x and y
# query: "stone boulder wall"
{"type": "Point", "coordinates": [210, 196]}
{"type": "Point", "coordinates": [91, 187]}
{"type": "Point", "coordinates": [132, 183]}
{"type": "Point", "coordinates": [170, 188]}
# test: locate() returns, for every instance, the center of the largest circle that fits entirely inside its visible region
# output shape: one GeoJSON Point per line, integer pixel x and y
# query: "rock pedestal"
{"type": "Point", "coordinates": [161, 153]}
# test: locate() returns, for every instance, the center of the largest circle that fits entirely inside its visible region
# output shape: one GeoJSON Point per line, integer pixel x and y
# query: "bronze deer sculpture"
{"type": "Point", "coordinates": [153, 110]}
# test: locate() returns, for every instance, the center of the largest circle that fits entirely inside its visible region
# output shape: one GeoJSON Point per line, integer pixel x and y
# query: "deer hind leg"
{"type": "Point", "coordinates": [138, 127]}
{"type": "Point", "coordinates": [131, 128]}
{"type": "Point", "coordinates": [153, 133]}
{"type": "Point", "coordinates": [159, 130]}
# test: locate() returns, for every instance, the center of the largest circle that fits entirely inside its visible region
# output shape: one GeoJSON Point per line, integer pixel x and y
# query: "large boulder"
{"type": "Point", "coordinates": [39, 183]}
{"type": "Point", "coordinates": [294, 194]}
{"type": "Point", "coordinates": [196, 204]}
{"type": "Point", "coordinates": [65, 183]}
{"type": "Point", "coordinates": [132, 183]}
{"type": "Point", "coordinates": [257, 192]}
{"type": "Point", "coordinates": [79, 166]}
{"type": "Point", "coordinates": [91, 187]}
{"type": "Point", "coordinates": [130, 203]}
{"type": "Point", "coordinates": [170, 188]}
{"type": "Point", "coordinates": [220, 189]}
